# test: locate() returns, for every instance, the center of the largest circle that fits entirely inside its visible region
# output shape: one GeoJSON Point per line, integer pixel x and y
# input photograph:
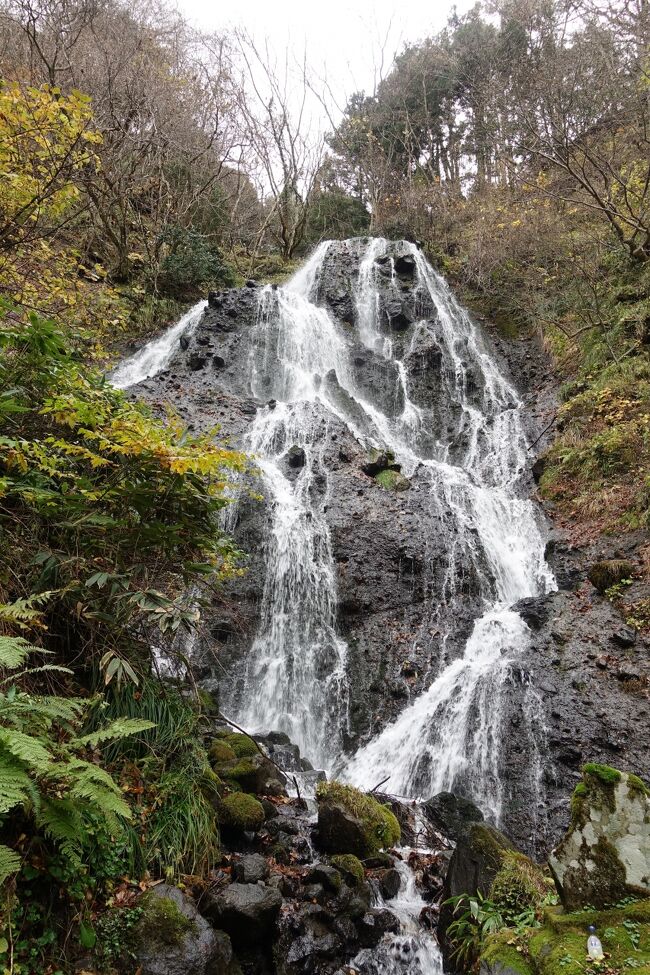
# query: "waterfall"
{"type": "Point", "coordinates": [155, 356]}
{"type": "Point", "coordinates": [467, 452]}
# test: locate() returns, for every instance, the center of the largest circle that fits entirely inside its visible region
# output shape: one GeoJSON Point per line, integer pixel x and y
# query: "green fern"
{"type": "Point", "coordinates": [9, 863]}
{"type": "Point", "coordinates": [42, 759]}
{"type": "Point", "coordinates": [14, 651]}
{"type": "Point", "coordinates": [24, 613]}
{"type": "Point", "coordinates": [120, 728]}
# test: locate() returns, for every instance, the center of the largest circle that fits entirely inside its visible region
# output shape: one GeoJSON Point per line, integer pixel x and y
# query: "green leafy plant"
{"type": "Point", "coordinates": [475, 917]}
{"type": "Point", "coordinates": [47, 772]}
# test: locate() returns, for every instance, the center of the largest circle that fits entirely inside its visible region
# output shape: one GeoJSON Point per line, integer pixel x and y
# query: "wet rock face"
{"type": "Point", "coordinates": [605, 855]}
{"type": "Point", "coordinates": [575, 695]}
{"type": "Point", "coordinates": [389, 543]}
{"type": "Point", "coordinates": [582, 693]}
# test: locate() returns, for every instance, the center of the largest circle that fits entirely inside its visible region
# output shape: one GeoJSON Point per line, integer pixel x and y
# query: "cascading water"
{"type": "Point", "coordinates": [155, 356]}
{"type": "Point", "coordinates": [467, 453]}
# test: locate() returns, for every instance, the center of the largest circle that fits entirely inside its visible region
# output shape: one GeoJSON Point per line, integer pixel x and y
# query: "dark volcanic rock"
{"type": "Point", "coordinates": [172, 938]}
{"type": "Point", "coordinates": [451, 814]}
{"type": "Point", "coordinates": [245, 911]}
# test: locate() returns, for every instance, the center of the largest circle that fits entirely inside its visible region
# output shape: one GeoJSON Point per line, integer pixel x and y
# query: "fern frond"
{"type": "Point", "coordinates": [104, 801]}
{"type": "Point", "coordinates": [83, 771]}
{"type": "Point", "coordinates": [9, 863]}
{"type": "Point", "coordinates": [120, 728]}
{"type": "Point", "coordinates": [16, 788]}
{"type": "Point", "coordinates": [44, 668]}
{"type": "Point", "coordinates": [14, 650]}
{"type": "Point", "coordinates": [28, 749]}
{"type": "Point", "coordinates": [41, 709]}
{"type": "Point", "coordinates": [24, 612]}
{"type": "Point", "coordinates": [60, 819]}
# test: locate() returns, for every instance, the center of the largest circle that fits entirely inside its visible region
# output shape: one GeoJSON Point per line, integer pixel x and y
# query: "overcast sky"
{"type": "Point", "coordinates": [343, 37]}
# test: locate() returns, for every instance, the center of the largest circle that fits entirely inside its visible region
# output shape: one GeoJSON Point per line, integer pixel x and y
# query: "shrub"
{"type": "Point", "coordinates": [191, 260]}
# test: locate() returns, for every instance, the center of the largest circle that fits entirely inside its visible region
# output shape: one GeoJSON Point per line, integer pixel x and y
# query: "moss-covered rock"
{"type": "Point", "coordinates": [392, 480]}
{"type": "Point", "coordinates": [605, 855]}
{"type": "Point", "coordinates": [242, 745]}
{"type": "Point", "coordinates": [504, 955]}
{"type": "Point", "coordinates": [241, 812]}
{"type": "Point", "coordinates": [349, 821]}
{"type": "Point", "coordinates": [559, 945]}
{"type": "Point", "coordinates": [351, 868]}
{"type": "Point", "coordinates": [255, 773]}
{"type": "Point", "coordinates": [519, 884]}
{"type": "Point", "coordinates": [220, 752]}
{"type": "Point", "coordinates": [172, 938]}
{"type": "Point", "coordinates": [163, 919]}
{"type": "Point", "coordinates": [603, 575]}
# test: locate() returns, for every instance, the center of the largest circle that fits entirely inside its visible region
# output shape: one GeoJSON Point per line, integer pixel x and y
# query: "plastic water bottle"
{"type": "Point", "coordinates": [594, 947]}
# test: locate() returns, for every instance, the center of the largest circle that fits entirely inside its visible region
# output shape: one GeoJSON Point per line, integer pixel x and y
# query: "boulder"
{"type": "Point", "coordinates": [172, 938]}
{"type": "Point", "coordinates": [351, 822]}
{"type": "Point", "coordinates": [256, 774]}
{"type": "Point", "coordinates": [605, 855]}
{"type": "Point", "coordinates": [296, 457]}
{"type": "Point", "coordinates": [476, 861]}
{"type": "Point", "coordinates": [450, 814]}
{"type": "Point", "coordinates": [250, 869]}
{"type": "Point", "coordinates": [247, 912]}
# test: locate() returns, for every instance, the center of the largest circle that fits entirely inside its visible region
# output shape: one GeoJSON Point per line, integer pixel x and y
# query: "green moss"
{"type": "Point", "coordinates": [162, 920]}
{"type": "Point", "coordinates": [380, 827]}
{"type": "Point", "coordinates": [392, 481]}
{"type": "Point", "coordinates": [559, 946]}
{"type": "Point", "coordinates": [636, 786]}
{"type": "Point", "coordinates": [241, 811]}
{"type": "Point", "coordinates": [242, 746]}
{"type": "Point", "coordinates": [241, 770]}
{"type": "Point", "coordinates": [603, 575]}
{"type": "Point", "coordinates": [499, 950]}
{"type": "Point", "coordinates": [519, 884]}
{"type": "Point", "coordinates": [604, 773]}
{"type": "Point", "coordinates": [351, 868]}
{"type": "Point", "coordinates": [579, 805]}
{"type": "Point", "coordinates": [220, 752]}
{"type": "Point", "coordinates": [487, 841]}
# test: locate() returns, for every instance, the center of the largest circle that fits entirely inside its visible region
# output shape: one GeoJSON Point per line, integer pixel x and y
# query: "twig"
{"type": "Point", "coordinates": [545, 430]}
{"type": "Point", "coordinates": [374, 788]}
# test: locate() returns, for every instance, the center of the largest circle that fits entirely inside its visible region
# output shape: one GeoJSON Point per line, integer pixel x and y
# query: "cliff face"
{"type": "Point", "coordinates": [403, 606]}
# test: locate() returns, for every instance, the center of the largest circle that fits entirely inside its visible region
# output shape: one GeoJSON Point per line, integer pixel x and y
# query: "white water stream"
{"type": "Point", "coordinates": [155, 356]}
{"type": "Point", "coordinates": [296, 678]}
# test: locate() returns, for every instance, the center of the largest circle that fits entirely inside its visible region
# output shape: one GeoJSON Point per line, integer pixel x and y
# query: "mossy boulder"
{"type": "Point", "coordinates": [255, 773]}
{"type": "Point", "coordinates": [351, 868]}
{"type": "Point", "coordinates": [392, 480]}
{"type": "Point", "coordinates": [502, 955]}
{"type": "Point", "coordinates": [605, 855]}
{"type": "Point", "coordinates": [220, 752]}
{"type": "Point", "coordinates": [603, 575]}
{"type": "Point", "coordinates": [559, 946]}
{"type": "Point", "coordinates": [349, 821]}
{"type": "Point", "coordinates": [481, 852]}
{"type": "Point", "coordinates": [242, 745]}
{"type": "Point", "coordinates": [377, 460]}
{"type": "Point", "coordinates": [241, 812]}
{"type": "Point", "coordinates": [172, 938]}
